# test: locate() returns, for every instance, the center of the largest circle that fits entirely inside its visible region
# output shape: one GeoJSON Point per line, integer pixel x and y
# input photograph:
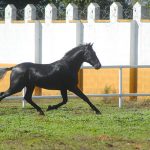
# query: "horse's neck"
{"type": "Point", "coordinates": [76, 65]}
{"type": "Point", "coordinates": [75, 62]}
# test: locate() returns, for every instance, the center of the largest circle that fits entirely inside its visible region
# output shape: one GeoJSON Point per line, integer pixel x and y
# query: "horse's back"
{"type": "Point", "coordinates": [28, 66]}
{"type": "Point", "coordinates": [22, 67]}
{"type": "Point", "coordinates": [50, 76]}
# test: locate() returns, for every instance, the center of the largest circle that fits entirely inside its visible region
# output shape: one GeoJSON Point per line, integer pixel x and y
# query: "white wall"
{"type": "Point", "coordinates": [144, 44]}
{"type": "Point", "coordinates": [112, 40]}
{"type": "Point", "coordinates": [17, 43]}
{"type": "Point", "coordinates": [58, 38]}
{"type": "Point", "coordinates": [115, 42]}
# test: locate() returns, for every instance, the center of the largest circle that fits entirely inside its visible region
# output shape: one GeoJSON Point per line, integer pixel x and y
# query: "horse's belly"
{"type": "Point", "coordinates": [56, 82]}
{"type": "Point", "coordinates": [52, 84]}
{"type": "Point", "coordinates": [50, 87]}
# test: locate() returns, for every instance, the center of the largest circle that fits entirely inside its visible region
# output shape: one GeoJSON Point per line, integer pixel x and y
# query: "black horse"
{"type": "Point", "coordinates": [60, 75]}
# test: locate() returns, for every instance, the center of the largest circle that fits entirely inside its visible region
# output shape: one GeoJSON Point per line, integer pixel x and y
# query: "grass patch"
{"type": "Point", "coordinates": [75, 126]}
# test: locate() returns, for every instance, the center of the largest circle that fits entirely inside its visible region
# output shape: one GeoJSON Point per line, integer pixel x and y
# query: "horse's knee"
{"type": "Point", "coordinates": [28, 93]}
{"type": "Point", "coordinates": [28, 97]}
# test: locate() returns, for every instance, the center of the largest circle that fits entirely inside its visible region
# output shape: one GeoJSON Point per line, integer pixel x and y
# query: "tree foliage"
{"type": "Point", "coordinates": [20, 4]}
{"type": "Point", "coordinates": [61, 6]}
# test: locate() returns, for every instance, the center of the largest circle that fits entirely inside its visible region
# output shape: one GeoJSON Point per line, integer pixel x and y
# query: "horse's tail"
{"type": "Point", "coordinates": [3, 71]}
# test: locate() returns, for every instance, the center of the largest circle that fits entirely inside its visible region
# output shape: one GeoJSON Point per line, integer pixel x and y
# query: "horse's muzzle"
{"type": "Point", "coordinates": [97, 66]}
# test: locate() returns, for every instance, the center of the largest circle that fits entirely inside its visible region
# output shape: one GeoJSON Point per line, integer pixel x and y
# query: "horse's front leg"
{"type": "Point", "coordinates": [65, 99]}
{"type": "Point", "coordinates": [79, 93]}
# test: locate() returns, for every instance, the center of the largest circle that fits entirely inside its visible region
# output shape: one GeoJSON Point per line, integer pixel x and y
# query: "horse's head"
{"type": "Point", "coordinates": [90, 56]}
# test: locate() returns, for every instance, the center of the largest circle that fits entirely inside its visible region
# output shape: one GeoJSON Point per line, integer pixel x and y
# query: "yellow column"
{"type": "Point", "coordinates": [133, 82]}
{"type": "Point", "coordinates": [80, 78]}
{"type": "Point", "coordinates": [37, 91]}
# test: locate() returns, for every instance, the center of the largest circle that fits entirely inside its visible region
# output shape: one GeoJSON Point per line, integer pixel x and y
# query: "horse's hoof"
{"type": "Point", "coordinates": [41, 113]}
{"type": "Point", "coordinates": [98, 113]}
{"type": "Point", "coordinates": [49, 108]}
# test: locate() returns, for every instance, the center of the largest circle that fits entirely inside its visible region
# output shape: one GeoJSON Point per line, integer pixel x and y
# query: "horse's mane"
{"type": "Point", "coordinates": [74, 50]}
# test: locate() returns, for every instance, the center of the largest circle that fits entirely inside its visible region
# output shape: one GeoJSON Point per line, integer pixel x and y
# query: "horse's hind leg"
{"type": "Point", "coordinates": [28, 98]}
{"type": "Point", "coordinates": [1, 93]}
{"type": "Point", "coordinates": [16, 85]}
{"type": "Point", "coordinates": [6, 94]}
{"type": "Point", "coordinates": [14, 88]}
{"type": "Point", "coordinates": [10, 91]}
{"type": "Point", "coordinates": [65, 99]}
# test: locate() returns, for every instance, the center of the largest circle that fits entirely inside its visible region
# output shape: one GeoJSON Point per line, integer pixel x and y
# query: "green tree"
{"type": "Point", "coordinates": [61, 6]}
{"type": "Point", "coordinates": [144, 2]}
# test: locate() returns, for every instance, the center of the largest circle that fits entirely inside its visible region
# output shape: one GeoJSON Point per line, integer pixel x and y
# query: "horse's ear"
{"type": "Point", "coordinates": [90, 44]}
